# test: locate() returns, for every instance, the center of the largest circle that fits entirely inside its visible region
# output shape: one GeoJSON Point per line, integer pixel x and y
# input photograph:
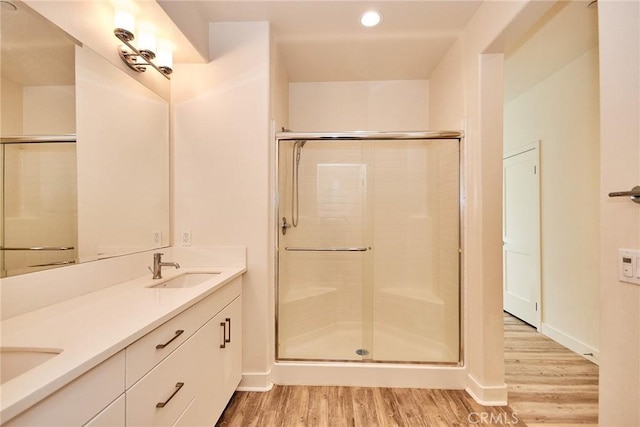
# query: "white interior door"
{"type": "Point", "coordinates": [521, 234]}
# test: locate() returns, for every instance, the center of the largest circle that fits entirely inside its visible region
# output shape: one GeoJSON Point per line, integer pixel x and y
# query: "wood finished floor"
{"type": "Point", "coordinates": [547, 384]}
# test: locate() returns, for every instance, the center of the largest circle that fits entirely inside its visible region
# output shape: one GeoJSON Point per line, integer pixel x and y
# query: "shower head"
{"type": "Point", "coordinates": [300, 142]}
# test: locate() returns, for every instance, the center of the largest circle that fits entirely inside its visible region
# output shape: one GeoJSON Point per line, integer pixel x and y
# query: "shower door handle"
{"type": "Point", "coordinates": [354, 249]}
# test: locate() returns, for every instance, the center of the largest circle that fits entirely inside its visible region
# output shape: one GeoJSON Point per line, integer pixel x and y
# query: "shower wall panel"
{"type": "Point", "coordinates": [40, 205]}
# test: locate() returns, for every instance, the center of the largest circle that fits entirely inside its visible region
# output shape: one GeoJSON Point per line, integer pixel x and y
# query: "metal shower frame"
{"type": "Point", "coordinates": [287, 135]}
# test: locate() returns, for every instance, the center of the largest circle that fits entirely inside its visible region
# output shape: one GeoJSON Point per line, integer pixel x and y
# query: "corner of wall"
{"type": "Point", "coordinates": [486, 395]}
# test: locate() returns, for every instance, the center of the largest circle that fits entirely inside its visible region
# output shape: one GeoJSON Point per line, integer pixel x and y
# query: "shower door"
{"type": "Point", "coordinates": [368, 250]}
{"type": "Point", "coordinates": [39, 221]}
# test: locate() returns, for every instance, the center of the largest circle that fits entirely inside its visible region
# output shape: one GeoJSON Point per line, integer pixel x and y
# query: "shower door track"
{"type": "Point", "coordinates": [367, 135]}
{"type": "Point", "coordinates": [325, 249]}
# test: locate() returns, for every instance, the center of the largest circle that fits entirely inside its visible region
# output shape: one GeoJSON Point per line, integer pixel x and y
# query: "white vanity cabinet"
{"type": "Point", "coordinates": [78, 402]}
{"type": "Point", "coordinates": [192, 384]}
{"type": "Point", "coordinates": [221, 343]}
{"type": "Point", "coordinates": [181, 373]}
{"type": "Point", "coordinates": [111, 416]}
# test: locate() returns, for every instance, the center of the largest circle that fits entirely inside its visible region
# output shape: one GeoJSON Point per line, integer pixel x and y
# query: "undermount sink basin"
{"type": "Point", "coordinates": [15, 361]}
{"type": "Point", "coordinates": [186, 280]}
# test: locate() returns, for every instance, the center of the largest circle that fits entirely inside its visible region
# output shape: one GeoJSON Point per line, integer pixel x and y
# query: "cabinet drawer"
{"type": "Point", "coordinates": [148, 351]}
{"type": "Point", "coordinates": [162, 395]}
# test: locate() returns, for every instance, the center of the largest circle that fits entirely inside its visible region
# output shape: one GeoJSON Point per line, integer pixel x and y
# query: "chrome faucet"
{"type": "Point", "coordinates": [158, 264]}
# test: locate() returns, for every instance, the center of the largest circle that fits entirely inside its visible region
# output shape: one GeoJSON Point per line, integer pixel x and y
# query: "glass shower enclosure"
{"type": "Point", "coordinates": [38, 203]}
{"type": "Point", "coordinates": [368, 247]}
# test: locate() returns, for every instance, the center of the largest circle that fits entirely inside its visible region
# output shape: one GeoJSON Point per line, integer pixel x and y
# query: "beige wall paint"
{"type": "Point", "coordinates": [562, 112]}
{"type": "Point", "coordinates": [619, 24]}
{"type": "Point", "coordinates": [394, 105]}
{"type": "Point", "coordinates": [11, 98]}
{"type": "Point", "coordinates": [49, 110]}
{"type": "Point", "coordinates": [37, 110]}
{"type": "Point", "coordinates": [466, 92]}
{"type": "Point", "coordinates": [279, 90]}
{"type": "Point", "coordinates": [221, 167]}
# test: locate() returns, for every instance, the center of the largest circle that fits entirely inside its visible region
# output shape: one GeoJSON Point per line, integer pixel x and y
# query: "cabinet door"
{"type": "Point", "coordinates": [227, 357]}
{"type": "Point", "coordinates": [231, 355]}
{"type": "Point", "coordinates": [112, 416]}
{"type": "Point", "coordinates": [222, 370]}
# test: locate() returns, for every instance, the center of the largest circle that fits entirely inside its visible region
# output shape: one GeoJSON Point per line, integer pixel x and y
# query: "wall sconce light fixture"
{"type": "Point", "coordinates": [138, 59]}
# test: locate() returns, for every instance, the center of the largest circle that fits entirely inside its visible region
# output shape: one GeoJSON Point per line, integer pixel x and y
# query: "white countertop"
{"type": "Point", "coordinates": [93, 327]}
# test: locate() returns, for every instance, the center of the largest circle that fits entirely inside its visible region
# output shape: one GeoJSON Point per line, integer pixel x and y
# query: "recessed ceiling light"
{"type": "Point", "coordinates": [371, 18]}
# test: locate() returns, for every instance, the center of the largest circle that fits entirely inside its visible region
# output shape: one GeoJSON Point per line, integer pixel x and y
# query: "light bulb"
{"type": "Point", "coordinates": [164, 58]}
{"type": "Point", "coordinates": [371, 18]}
{"type": "Point", "coordinates": [124, 25]}
{"type": "Point", "coordinates": [147, 43]}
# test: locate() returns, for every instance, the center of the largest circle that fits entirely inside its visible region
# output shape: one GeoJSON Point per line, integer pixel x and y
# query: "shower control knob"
{"type": "Point", "coordinates": [284, 225]}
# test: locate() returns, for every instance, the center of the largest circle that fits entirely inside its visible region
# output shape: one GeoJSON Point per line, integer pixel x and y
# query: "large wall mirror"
{"type": "Point", "coordinates": [84, 155]}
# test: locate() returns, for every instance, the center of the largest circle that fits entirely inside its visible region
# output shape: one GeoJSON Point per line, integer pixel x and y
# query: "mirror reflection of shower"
{"type": "Point", "coordinates": [295, 202]}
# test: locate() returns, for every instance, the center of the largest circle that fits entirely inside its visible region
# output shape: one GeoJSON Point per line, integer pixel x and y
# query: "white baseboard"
{"type": "Point", "coordinates": [255, 381]}
{"type": "Point", "coordinates": [571, 343]}
{"type": "Point", "coordinates": [486, 395]}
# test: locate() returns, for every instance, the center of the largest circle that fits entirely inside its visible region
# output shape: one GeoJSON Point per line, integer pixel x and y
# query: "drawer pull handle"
{"type": "Point", "coordinates": [228, 321]}
{"type": "Point", "coordinates": [178, 333]}
{"type": "Point", "coordinates": [224, 334]}
{"type": "Point", "coordinates": [163, 404]}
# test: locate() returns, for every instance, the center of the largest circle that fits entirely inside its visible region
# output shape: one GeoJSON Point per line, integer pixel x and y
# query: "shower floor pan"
{"type": "Point", "coordinates": [343, 342]}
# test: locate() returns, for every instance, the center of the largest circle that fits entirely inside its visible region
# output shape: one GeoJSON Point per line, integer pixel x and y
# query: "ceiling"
{"type": "Point", "coordinates": [324, 41]}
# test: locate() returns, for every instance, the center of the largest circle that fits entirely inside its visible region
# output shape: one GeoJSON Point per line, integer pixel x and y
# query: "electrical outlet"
{"type": "Point", "coordinates": [157, 238]}
{"type": "Point", "coordinates": [186, 238]}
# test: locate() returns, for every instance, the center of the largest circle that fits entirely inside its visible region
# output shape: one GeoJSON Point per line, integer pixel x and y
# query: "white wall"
{"type": "Point", "coordinates": [279, 88]}
{"type": "Point", "coordinates": [466, 92]}
{"type": "Point", "coordinates": [619, 24]}
{"type": "Point", "coordinates": [37, 110]}
{"type": "Point", "coordinates": [221, 168]}
{"type": "Point", "coordinates": [562, 111]}
{"type": "Point", "coordinates": [11, 109]}
{"type": "Point", "coordinates": [392, 105]}
{"type": "Point", "coordinates": [49, 110]}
